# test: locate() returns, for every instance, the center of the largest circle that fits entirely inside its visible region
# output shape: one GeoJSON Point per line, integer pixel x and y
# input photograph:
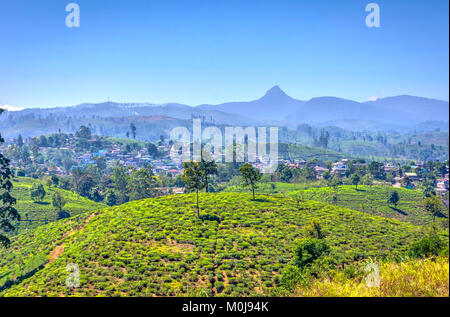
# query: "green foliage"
{"type": "Point", "coordinates": [367, 179]}
{"type": "Point", "coordinates": [393, 198]}
{"type": "Point", "coordinates": [335, 182]}
{"type": "Point", "coordinates": [84, 185]}
{"type": "Point", "coordinates": [110, 198]}
{"type": "Point", "coordinates": [250, 177]}
{"type": "Point", "coordinates": [209, 168]}
{"type": "Point", "coordinates": [83, 132]}
{"type": "Point", "coordinates": [434, 206]}
{"type": "Point", "coordinates": [120, 181]}
{"type": "Point", "coordinates": [430, 245]}
{"type": "Point", "coordinates": [355, 179]}
{"type": "Point", "coordinates": [142, 184]}
{"type": "Point", "coordinates": [58, 201]}
{"type": "Point", "coordinates": [8, 214]}
{"type": "Point", "coordinates": [37, 192]}
{"type": "Point", "coordinates": [152, 150]}
{"type": "Point", "coordinates": [37, 214]}
{"type": "Point", "coordinates": [154, 247]}
{"type": "Point", "coordinates": [372, 200]}
{"type": "Point", "coordinates": [308, 251]}
{"type": "Point", "coordinates": [314, 230]}
{"type": "Point", "coordinates": [194, 178]}
{"type": "Point", "coordinates": [291, 277]}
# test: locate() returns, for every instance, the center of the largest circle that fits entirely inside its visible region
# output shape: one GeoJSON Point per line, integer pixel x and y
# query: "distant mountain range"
{"type": "Point", "coordinates": [392, 112]}
{"type": "Point", "coordinates": [400, 113]}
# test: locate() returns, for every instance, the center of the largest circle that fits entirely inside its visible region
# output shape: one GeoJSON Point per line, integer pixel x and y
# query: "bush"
{"type": "Point", "coordinates": [430, 245]}
{"type": "Point", "coordinates": [308, 251]}
{"type": "Point", "coordinates": [291, 277]}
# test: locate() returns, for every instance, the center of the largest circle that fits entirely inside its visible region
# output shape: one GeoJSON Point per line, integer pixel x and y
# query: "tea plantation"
{"type": "Point", "coordinates": [373, 200]}
{"type": "Point", "coordinates": [159, 247]}
{"type": "Point", "coordinates": [369, 199]}
{"type": "Point", "coordinates": [35, 214]}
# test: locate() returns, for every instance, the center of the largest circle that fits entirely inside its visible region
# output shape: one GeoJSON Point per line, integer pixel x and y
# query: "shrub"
{"type": "Point", "coordinates": [308, 251]}
{"type": "Point", "coordinates": [291, 277]}
{"type": "Point", "coordinates": [430, 245]}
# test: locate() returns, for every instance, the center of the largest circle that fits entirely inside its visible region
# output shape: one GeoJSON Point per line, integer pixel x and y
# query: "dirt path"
{"type": "Point", "coordinates": [56, 253]}
{"type": "Point", "coordinates": [59, 249]}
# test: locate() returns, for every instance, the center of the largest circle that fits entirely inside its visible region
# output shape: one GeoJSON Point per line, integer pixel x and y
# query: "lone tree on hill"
{"type": "Point", "coordinates": [335, 182]}
{"type": "Point", "coordinates": [37, 193]}
{"type": "Point", "coordinates": [8, 213]}
{"type": "Point", "coordinates": [250, 177]}
{"type": "Point", "coordinates": [434, 206]}
{"type": "Point", "coordinates": [58, 201]}
{"type": "Point", "coordinates": [208, 168]}
{"type": "Point", "coordinates": [193, 178]}
{"type": "Point", "coordinates": [355, 180]}
{"type": "Point", "coordinates": [393, 198]}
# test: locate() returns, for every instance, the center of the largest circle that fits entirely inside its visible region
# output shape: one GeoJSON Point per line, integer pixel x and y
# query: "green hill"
{"type": "Point", "coordinates": [35, 214]}
{"type": "Point", "coordinates": [158, 247]}
{"type": "Point", "coordinates": [273, 187]}
{"type": "Point", "coordinates": [373, 200]}
{"type": "Point", "coordinates": [368, 199]}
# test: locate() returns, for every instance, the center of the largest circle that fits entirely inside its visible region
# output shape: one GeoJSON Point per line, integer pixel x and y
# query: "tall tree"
{"type": "Point", "coordinates": [355, 180]}
{"type": "Point", "coordinates": [58, 201]}
{"type": "Point", "coordinates": [250, 177]}
{"type": "Point", "coordinates": [110, 198]}
{"type": "Point", "coordinates": [193, 178]}
{"type": "Point", "coordinates": [120, 179]}
{"type": "Point", "coordinates": [393, 198]}
{"type": "Point", "coordinates": [8, 214]}
{"type": "Point", "coordinates": [133, 130]}
{"type": "Point", "coordinates": [83, 132]}
{"type": "Point", "coordinates": [152, 150]}
{"type": "Point", "coordinates": [142, 184]}
{"type": "Point", "coordinates": [209, 168]}
{"type": "Point", "coordinates": [20, 140]}
{"type": "Point", "coordinates": [84, 185]}
{"type": "Point", "coordinates": [37, 192]}
{"type": "Point", "coordinates": [434, 206]}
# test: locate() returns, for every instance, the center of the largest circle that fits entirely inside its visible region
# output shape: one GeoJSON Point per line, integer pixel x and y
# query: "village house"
{"type": "Point", "coordinates": [340, 167]}
{"type": "Point", "coordinates": [413, 177]}
{"type": "Point", "coordinates": [319, 171]}
{"type": "Point", "coordinates": [442, 186]}
{"type": "Point", "coordinates": [390, 168]}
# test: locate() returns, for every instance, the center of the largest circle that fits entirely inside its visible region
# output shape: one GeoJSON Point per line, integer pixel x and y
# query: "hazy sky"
{"type": "Point", "coordinates": [213, 51]}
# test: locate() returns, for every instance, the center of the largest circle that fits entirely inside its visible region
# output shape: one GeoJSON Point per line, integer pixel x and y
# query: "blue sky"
{"type": "Point", "coordinates": [213, 51]}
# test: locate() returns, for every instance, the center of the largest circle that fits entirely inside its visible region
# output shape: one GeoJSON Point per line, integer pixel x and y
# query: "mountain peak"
{"type": "Point", "coordinates": [275, 91]}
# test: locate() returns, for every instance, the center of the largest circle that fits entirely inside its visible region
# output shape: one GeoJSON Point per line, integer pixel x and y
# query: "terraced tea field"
{"type": "Point", "coordinates": [158, 247]}
{"type": "Point", "coordinates": [368, 199]}
{"type": "Point", "coordinates": [373, 200]}
{"type": "Point", "coordinates": [35, 214]}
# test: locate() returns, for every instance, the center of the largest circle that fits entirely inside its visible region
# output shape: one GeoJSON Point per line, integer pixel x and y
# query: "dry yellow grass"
{"type": "Point", "coordinates": [416, 278]}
